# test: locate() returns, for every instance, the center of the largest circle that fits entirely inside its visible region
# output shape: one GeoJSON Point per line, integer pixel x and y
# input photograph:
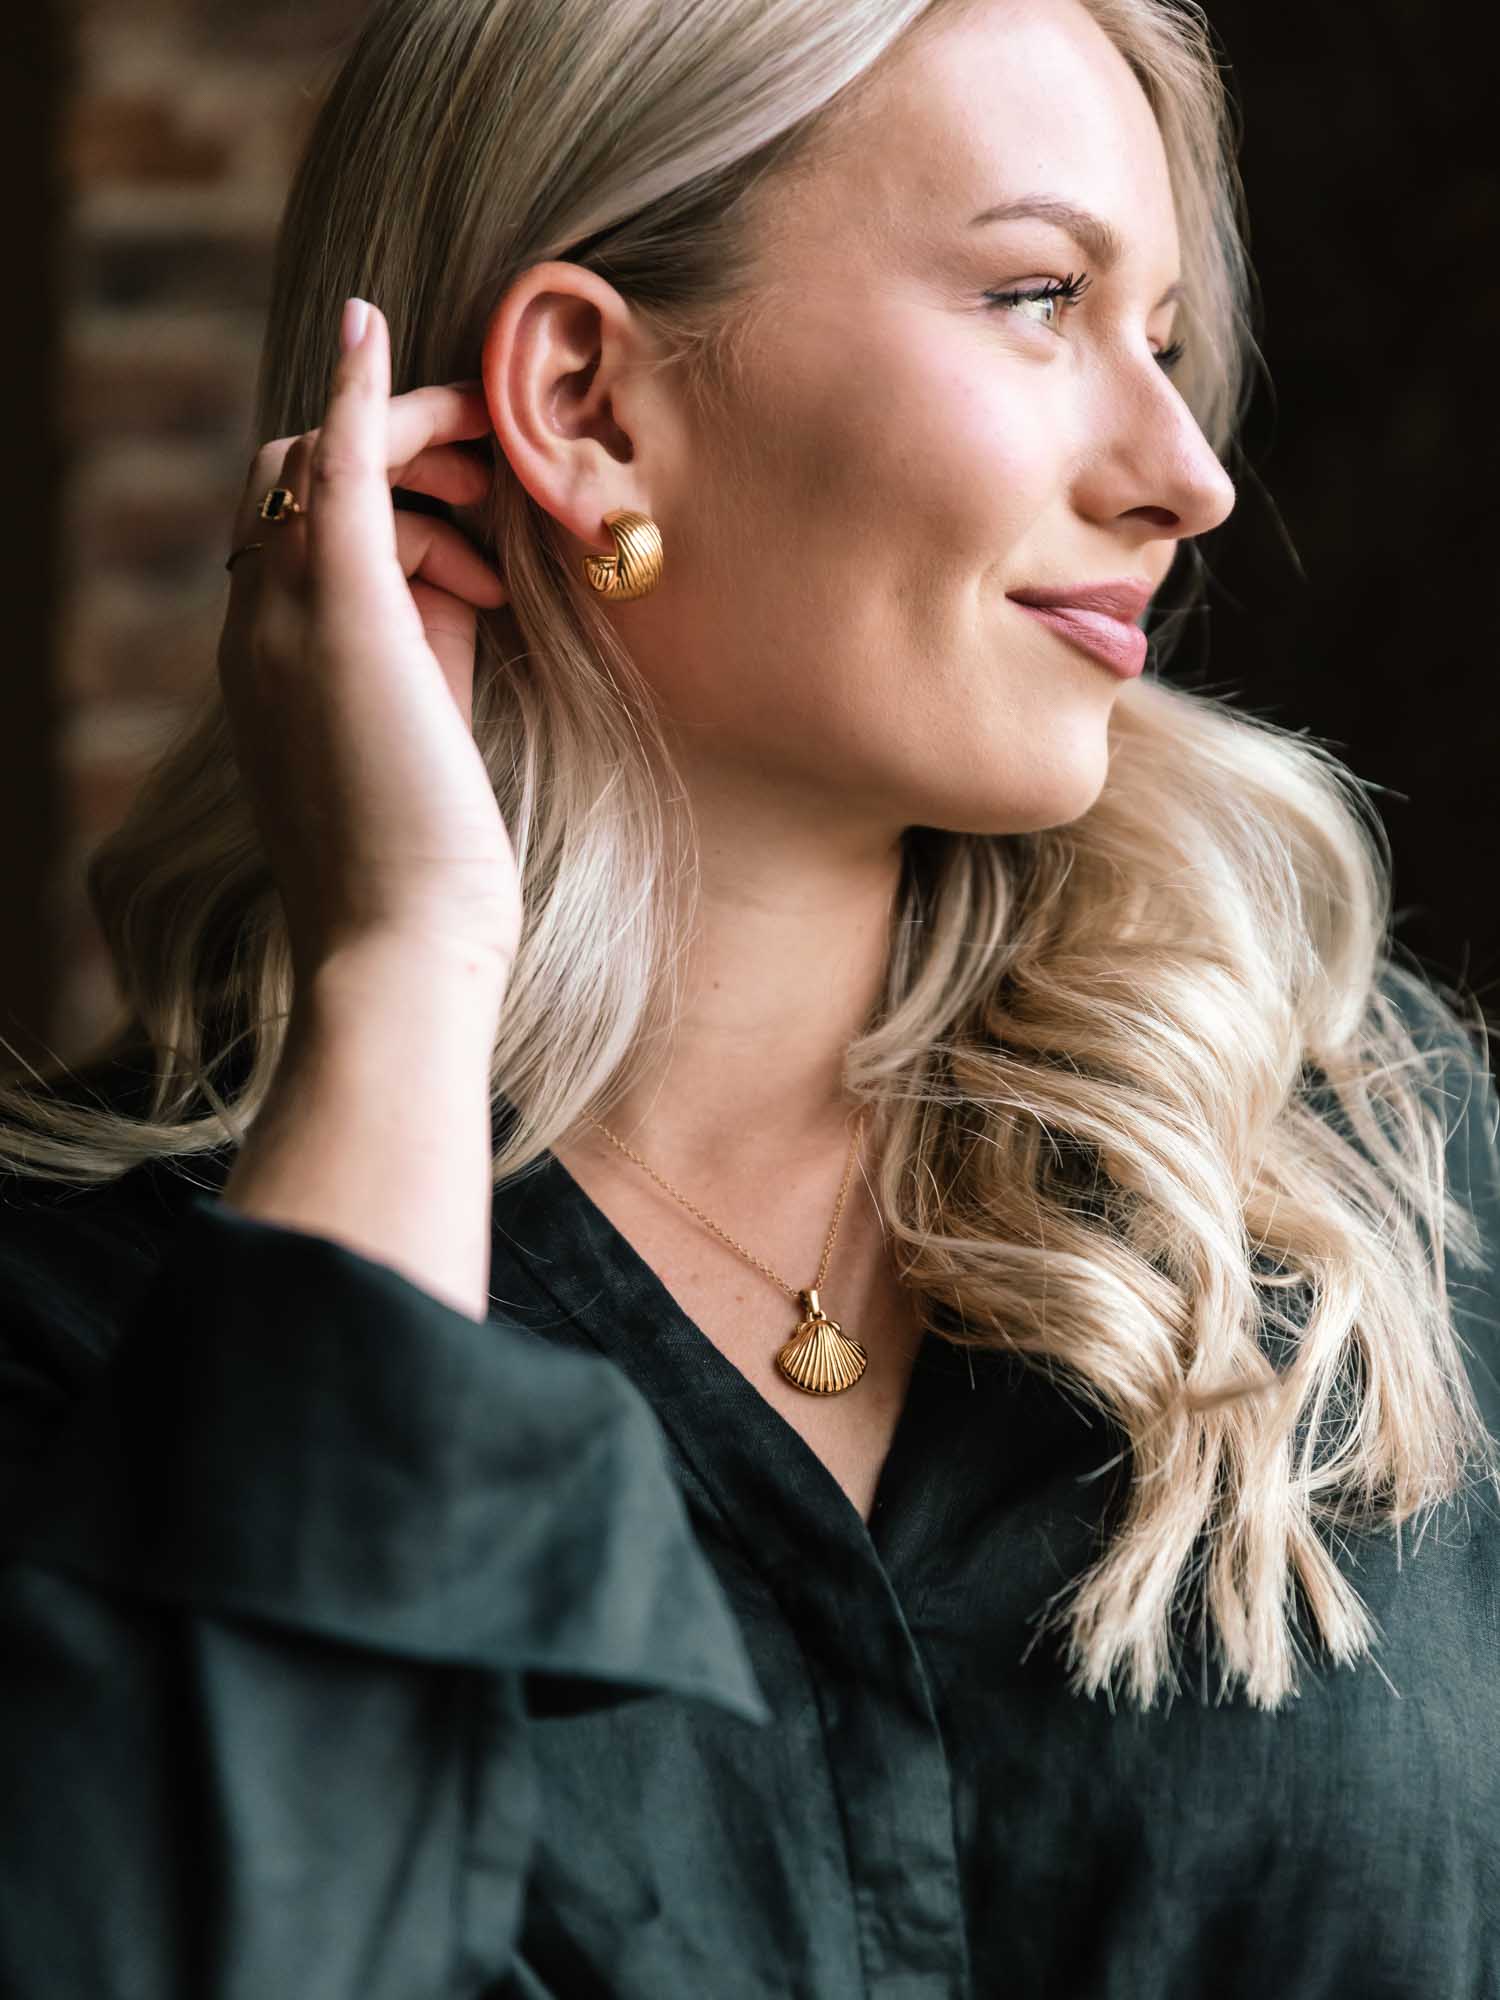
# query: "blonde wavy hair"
{"type": "Point", "coordinates": [1095, 1070]}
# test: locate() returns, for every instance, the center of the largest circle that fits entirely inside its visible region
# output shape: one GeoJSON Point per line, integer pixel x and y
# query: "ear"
{"type": "Point", "coordinates": [581, 414]}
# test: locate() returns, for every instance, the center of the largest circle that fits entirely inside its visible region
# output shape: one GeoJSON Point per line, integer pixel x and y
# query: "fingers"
{"type": "Point", "coordinates": [351, 525]}
{"type": "Point", "coordinates": [266, 470]}
{"type": "Point", "coordinates": [443, 471]}
{"type": "Point", "coordinates": [284, 555]}
{"type": "Point", "coordinates": [447, 472]}
{"type": "Point", "coordinates": [425, 547]}
{"type": "Point", "coordinates": [433, 550]}
{"type": "Point", "coordinates": [424, 428]}
{"type": "Point", "coordinates": [440, 469]}
{"type": "Point", "coordinates": [367, 442]}
{"type": "Point", "coordinates": [438, 413]}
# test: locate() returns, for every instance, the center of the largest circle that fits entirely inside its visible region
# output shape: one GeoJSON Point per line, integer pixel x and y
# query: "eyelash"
{"type": "Point", "coordinates": [1070, 290]}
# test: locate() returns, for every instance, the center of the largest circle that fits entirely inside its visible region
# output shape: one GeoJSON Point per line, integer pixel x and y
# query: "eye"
{"type": "Point", "coordinates": [1059, 292]}
{"type": "Point", "coordinates": [1056, 292]}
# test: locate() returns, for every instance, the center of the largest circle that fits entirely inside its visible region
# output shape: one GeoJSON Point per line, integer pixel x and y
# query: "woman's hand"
{"type": "Point", "coordinates": [347, 664]}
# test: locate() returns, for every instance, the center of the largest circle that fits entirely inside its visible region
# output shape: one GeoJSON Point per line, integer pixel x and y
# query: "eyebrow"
{"type": "Point", "coordinates": [1099, 239]}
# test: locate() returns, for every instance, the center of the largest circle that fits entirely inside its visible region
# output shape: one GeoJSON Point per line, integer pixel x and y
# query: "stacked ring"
{"type": "Point", "coordinates": [279, 504]}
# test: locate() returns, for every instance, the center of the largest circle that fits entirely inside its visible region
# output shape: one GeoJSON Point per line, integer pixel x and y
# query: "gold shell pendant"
{"type": "Point", "coordinates": [819, 1357]}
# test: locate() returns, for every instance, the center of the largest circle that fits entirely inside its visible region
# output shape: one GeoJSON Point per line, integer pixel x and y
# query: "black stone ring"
{"type": "Point", "coordinates": [280, 504]}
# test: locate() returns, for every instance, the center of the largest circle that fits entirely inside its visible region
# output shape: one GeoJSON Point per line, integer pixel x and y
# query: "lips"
{"type": "Point", "coordinates": [1124, 597]}
{"type": "Point", "coordinates": [1120, 647]}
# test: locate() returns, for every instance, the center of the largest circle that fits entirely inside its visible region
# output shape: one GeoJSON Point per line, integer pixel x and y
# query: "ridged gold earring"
{"type": "Point", "coordinates": [636, 565]}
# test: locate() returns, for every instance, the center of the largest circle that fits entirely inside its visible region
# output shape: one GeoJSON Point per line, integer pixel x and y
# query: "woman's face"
{"type": "Point", "coordinates": [832, 638]}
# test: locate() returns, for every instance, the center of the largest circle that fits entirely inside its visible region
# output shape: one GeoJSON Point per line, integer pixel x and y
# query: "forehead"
{"type": "Point", "coordinates": [988, 101]}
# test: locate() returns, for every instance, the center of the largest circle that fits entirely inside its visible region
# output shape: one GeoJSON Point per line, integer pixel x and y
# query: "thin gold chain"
{"type": "Point", "coordinates": [792, 1291]}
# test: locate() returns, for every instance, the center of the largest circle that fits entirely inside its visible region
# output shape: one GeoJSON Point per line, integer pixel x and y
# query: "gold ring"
{"type": "Point", "coordinates": [243, 550]}
{"type": "Point", "coordinates": [279, 505]}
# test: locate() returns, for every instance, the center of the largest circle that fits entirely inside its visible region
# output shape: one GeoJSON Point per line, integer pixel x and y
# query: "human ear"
{"type": "Point", "coordinates": [574, 404]}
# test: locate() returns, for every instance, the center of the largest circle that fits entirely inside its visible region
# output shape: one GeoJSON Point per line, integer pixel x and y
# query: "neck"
{"type": "Point", "coordinates": [787, 964]}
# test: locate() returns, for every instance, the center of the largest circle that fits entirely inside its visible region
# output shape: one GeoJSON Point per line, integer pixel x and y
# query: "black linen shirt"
{"type": "Point", "coordinates": [354, 1650]}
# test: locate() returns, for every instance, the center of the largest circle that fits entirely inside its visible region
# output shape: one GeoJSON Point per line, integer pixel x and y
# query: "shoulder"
{"type": "Point", "coordinates": [76, 1262]}
{"type": "Point", "coordinates": [75, 1256]}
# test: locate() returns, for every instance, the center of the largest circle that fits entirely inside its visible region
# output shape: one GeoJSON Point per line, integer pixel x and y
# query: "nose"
{"type": "Point", "coordinates": [1160, 469]}
{"type": "Point", "coordinates": [1202, 496]}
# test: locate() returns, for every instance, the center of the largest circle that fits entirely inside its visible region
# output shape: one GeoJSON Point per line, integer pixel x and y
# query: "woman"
{"type": "Point", "coordinates": [780, 1296]}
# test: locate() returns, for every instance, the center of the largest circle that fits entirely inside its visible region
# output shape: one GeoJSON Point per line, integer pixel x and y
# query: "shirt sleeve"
{"type": "Point", "coordinates": [284, 1568]}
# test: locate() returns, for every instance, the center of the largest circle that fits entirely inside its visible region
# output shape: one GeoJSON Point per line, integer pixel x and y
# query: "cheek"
{"type": "Point", "coordinates": [947, 460]}
{"type": "Point", "coordinates": [887, 423]}
{"type": "Point", "coordinates": [855, 535]}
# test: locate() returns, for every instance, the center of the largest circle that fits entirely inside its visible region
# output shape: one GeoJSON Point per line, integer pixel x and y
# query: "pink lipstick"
{"type": "Point", "coordinates": [1098, 617]}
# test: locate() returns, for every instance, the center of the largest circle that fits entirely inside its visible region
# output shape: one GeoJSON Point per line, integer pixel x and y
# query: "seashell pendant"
{"type": "Point", "coordinates": [819, 1357]}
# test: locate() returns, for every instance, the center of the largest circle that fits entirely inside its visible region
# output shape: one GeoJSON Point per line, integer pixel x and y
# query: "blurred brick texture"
{"type": "Point", "coordinates": [180, 134]}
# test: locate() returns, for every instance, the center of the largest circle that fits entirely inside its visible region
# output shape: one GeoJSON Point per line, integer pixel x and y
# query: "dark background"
{"type": "Point", "coordinates": [1354, 582]}
{"type": "Point", "coordinates": [1351, 589]}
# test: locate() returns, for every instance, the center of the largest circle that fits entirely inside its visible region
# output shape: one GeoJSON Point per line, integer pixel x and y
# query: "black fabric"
{"type": "Point", "coordinates": [351, 1648]}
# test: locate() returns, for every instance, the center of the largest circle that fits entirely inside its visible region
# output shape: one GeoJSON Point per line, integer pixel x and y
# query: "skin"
{"type": "Point", "coordinates": [831, 644]}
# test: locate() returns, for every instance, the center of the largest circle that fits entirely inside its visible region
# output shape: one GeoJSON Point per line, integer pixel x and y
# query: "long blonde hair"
{"type": "Point", "coordinates": [1096, 1062]}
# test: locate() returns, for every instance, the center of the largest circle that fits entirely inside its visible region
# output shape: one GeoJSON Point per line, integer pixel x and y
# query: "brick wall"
{"type": "Point", "coordinates": [181, 128]}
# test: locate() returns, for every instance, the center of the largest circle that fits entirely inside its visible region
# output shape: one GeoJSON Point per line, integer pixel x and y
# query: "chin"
{"type": "Point", "coordinates": [1012, 798]}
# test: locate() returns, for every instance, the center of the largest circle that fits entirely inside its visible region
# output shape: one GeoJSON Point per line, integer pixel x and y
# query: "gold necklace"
{"type": "Point", "coordinates": [819, 1357]}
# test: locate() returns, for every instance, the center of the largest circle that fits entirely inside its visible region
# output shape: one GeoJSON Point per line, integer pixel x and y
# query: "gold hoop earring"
{"type": "Point", "coordinates": [636, 565]}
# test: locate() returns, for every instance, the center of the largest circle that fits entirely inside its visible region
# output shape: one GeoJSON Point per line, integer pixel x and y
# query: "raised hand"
{"type": "Point", "coordinates": [347, 664]}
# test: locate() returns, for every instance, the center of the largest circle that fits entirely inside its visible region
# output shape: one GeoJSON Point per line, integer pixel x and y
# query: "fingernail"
{"type": "Point", "coordinates": [356, 319]}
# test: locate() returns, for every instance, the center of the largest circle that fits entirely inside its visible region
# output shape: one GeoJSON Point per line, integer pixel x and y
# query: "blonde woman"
{"type": "Point", "coordinates": [778, 1296]}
